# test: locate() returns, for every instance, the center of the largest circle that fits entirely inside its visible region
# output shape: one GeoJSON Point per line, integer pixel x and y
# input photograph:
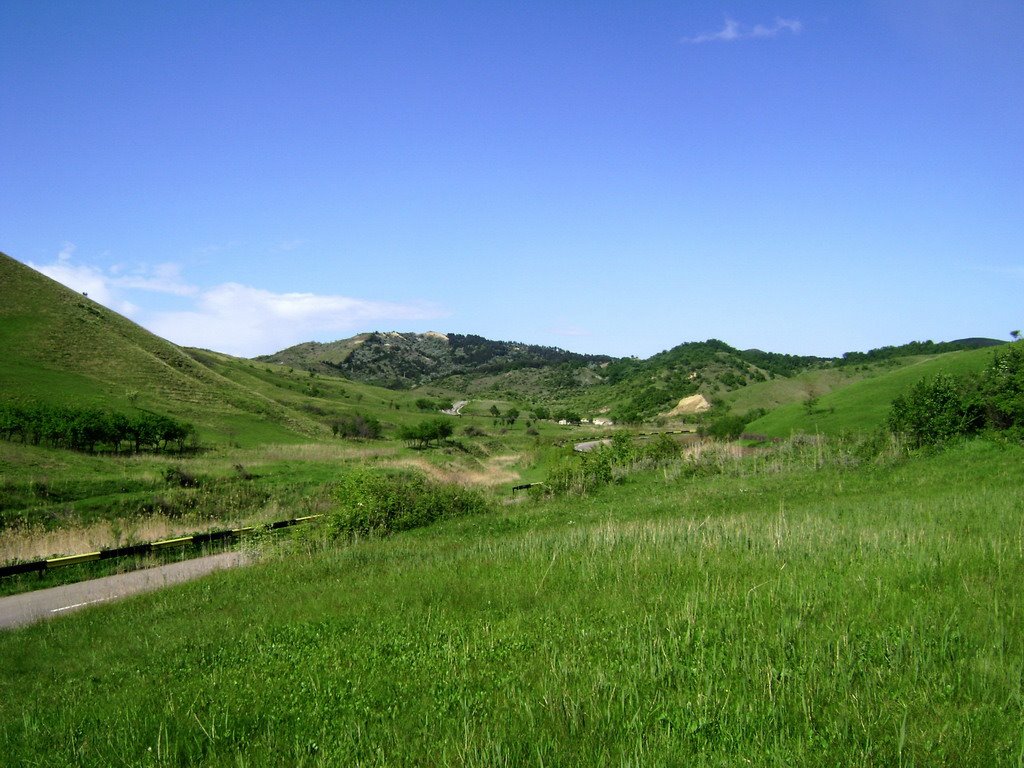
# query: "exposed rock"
{"type": "Point", "coordinates": [690, 405]}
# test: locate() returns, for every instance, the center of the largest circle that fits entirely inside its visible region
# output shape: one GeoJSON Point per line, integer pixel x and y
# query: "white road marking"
{"type": "Point", "coordinates": [79, 605]}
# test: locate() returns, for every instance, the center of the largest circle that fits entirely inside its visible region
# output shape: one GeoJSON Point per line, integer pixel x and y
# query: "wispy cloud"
{"type": "Point", "coordinates": [85, 279]}
{"type": "Point", "coordinates": [108, 286]}
{"type": "Point", "coordinates": [162, 278]}
{"type": "Point", "coordinates": [734, 30]}
{"type": "Point", "coordinates": [231, 317]}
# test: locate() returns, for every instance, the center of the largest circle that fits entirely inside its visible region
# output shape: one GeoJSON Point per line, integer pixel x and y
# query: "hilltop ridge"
{"type": "Point", "coordinates": [402, 360]}
{"type": "Point", "coordinates": [60, 344]}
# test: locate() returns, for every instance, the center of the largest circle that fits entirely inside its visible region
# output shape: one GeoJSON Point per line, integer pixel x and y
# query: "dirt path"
{"type": "Point", "coordinates": [29, 607]}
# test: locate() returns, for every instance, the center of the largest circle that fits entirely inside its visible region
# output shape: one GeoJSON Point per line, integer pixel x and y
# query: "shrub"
{"type": "Point", "coordinates": [725, 427]}
{"type": "Point", "coordinates": [661, 449]}
{"type": "Point", "coordinates": [935, 411]}
{"type": "Point", "coordinates": [374, 502]}
{"type": "Point", "coordinates": [356, 425]}
{"type": "Point", "coordinates": [1001, 389]}
{"type": "Point", "coordinates": [426, 404]}
{"type": "Point", "coordinates": [181, 478]}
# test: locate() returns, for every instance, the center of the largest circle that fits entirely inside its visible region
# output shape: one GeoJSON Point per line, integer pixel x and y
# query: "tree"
{"type": "Point", "coordinates": [511, 415]}
{"type": "Point", "coordinates": [566, 414]}
{"type": "Point", "coordinates": [1001, 389]}
{"type": "Point", "coordinates": [426, 432]}
{"type": "Point", "coordinates": [935, 411]}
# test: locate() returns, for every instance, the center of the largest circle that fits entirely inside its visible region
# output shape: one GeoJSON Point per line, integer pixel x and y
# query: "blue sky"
{"type": "Point", "coordinates": [617, 178]}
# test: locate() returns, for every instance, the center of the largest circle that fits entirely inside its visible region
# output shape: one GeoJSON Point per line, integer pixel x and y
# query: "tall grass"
{"type": "Point", "coordinates": [795, 610]}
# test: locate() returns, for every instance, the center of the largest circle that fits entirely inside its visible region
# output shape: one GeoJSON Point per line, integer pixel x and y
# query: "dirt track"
{"type": "Point", "coordinates": [27, 608]}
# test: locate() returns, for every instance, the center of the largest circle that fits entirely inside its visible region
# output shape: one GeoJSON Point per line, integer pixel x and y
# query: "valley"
{"type": "Point", "coordinates": [789, 560]}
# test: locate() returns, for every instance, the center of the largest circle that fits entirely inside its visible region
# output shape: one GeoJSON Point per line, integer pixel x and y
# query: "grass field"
{"type": "Point", "coordinates": [811, 605]}
{"type": "Point", "coordinates": [864, 405]}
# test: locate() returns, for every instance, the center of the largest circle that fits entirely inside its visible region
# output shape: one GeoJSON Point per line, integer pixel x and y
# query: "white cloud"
{"type": "Point", "coordinates": [247, 321]}
{"type": "Point", "coordinates": [732, 30]}
{"type": "Point", "coordinates": [163, 278]}
{"type": "Point", "coordinates": [107, 286]}
{"type": "Point", "coordinates": [84, 279]}
{"type": "Point", "coordinates": [233, 318]}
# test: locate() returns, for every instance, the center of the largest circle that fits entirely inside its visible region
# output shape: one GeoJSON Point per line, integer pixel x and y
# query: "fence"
{"type": "Point", "coordinates": [150, 547]}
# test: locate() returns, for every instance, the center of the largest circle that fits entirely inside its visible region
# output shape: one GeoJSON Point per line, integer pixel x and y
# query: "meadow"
{"type": "Point", "coordinates": [814, 603]}
{"type": "Point", "coordinates": [861, 406]}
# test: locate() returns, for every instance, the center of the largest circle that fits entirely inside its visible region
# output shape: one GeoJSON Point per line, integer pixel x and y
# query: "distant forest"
{"type": "Point", "coordinates": [915, 348]}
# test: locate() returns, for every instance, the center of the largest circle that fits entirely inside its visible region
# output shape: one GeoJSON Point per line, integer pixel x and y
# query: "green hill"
{"type": "Point", "coordinates": [862, 404]}
{"type": "Point", "coordinates": [62, 347]}
{"type": "Point", "coordinates": [403, 360]}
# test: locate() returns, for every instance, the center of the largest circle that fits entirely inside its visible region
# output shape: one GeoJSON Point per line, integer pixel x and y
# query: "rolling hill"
{"type": "Point", "coordinates": [863, 404]}
{"type": "Point", "coordinates": [61, 347]}
{"type": "Point", "coordinates": [403, 360]}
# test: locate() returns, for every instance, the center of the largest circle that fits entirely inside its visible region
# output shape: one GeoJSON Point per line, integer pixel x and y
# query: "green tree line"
{"type": "Point", "coordinates": [87, 429]}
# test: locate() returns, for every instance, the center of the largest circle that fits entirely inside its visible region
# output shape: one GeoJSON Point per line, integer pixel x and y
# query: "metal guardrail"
{"type": "Point", "coordinates": [143, 549]}
{"type": "Point", "coordinates": [523, 487]}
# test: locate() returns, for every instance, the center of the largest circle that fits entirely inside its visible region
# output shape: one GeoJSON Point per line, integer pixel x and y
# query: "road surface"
{"type": "Point", "coordinates": [590, 445]}
{"type": "Point", "coordinates": [29, 607]}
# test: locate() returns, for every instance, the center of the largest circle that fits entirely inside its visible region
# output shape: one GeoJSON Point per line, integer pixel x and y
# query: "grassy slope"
{"type": "Point", "coordinates": [777, 616]}
{"type": "Point", "coordinates": [781, 390]}
{"type": "Point", "coordinates": [864, 404]}
{"type": "Point", "coordinates": [60, 346]}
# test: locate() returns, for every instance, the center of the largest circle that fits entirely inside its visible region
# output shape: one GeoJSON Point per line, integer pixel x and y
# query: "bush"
{"type": "Point", "coordinates": [356, 425]}
{"type": "Point", "coordinates": [935, 411]}
{"type": "Point", "coordinates": [580, 476]}
{"type": "Point", "coordinates": [179, 477]}
{"type": "Point", "coordinates": [426, 404]}
{"type": "Point", "coordinates": [1001, 389]}
{"type": "Point", "coordinates": [725, 427]}
{"type": "Point", "coordinates": [381, 503]}
{"type": "Point", "coordinates": [661, 449]}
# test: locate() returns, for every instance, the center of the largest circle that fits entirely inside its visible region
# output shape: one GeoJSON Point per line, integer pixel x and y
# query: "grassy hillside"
{"type": "Point", "coordinates": [779, 611]}
{"type": "Point", "coordinates": [862, 405]}
{"type": "Point", "coordinates": [61, 347]}
{"type": "Point", "coordinates": [816, 382]}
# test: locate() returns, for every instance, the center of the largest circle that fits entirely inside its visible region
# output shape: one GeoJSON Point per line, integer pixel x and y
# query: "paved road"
{"type": "Point", "coordinates": [590, 445]}
{"type": "Point", "coordinates": [29, 607]}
